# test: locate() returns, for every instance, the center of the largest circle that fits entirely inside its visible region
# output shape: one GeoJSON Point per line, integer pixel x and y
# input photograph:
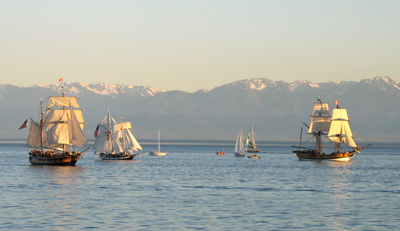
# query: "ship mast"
{"type": "Point", "coordinates": [41, 126]}
{"type": "Point", "coordinates": [320, 122]}
{"type": "Point", "coordinates": [63, 94]}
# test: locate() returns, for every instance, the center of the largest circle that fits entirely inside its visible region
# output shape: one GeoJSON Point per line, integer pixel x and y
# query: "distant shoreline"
{"type": "Point", "coordinates": [215, 142]}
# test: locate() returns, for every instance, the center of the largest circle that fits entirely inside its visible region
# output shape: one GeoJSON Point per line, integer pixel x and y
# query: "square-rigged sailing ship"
{"type": "Point", "coordinates": [56, 138]}
{"type": "Point", "coordinates": [336, 128]}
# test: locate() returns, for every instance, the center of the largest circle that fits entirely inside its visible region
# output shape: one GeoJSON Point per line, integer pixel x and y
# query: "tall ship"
{"type": "Point", "coordinates": [335, 128]}
{"type": "Point", "coordinates": [58, 136]}
{"type": "Point", "coordinates": [115, 141]}
{"type": "Point", "coordinates": [251, 141]}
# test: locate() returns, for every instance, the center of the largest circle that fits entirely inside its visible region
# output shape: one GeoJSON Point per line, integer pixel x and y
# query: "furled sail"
{"type": "Point", "coordinates": [340, 131]}
{"type": "Point", "coordinates": [320, 118]}
{"type": "Point", "coordinates": [63, 101]}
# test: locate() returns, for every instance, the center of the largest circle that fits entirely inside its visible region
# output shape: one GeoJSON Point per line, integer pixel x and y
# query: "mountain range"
{"type": "Point", "coordinates": [276, 108]}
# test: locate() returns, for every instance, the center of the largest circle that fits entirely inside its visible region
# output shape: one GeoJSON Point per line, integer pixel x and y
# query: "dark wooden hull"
{"type": "Point", "coordinates": [54, 159]}
{"type": "Point", "coordinates": [116, 156]}
{"type": "Point", "coordinates": [312, 155]}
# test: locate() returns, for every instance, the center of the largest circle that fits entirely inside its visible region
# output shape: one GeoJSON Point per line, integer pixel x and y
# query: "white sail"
{"type": "Point", "coordinates": [115, 138]}
{"type": "Point", "coordinates": [131, 144]}
{"type": "Point", "coordinates": [54, 115]}
{"type": "Point", "coordinates": [340, 131]}
{"type": "Point", "coordinates": [34, 135]}
{"type": "Point", "coordinates": [320, 118]}
{"type": "Point", "coordinates": [103, 141]}
{"type": "Point", "coordinates": [239, 147]}
{"type": "Point", "coordinates": [76, 136]}
{"type": "Point", "coordinates": [61, 126]}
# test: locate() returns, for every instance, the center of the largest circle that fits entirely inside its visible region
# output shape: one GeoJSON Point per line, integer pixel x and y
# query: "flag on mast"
{"type": "Point", "coordinates": [25, 124]}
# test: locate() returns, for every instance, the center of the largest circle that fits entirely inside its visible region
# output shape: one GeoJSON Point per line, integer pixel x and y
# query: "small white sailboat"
{"type": "Point", "coordinates": [114, 140]}
{"type": "Point", "coordinates": [240, 150]}
{"type": "Point", "coordinates": [158, 152]}
{"type": "Point", "coordinates": [251, 141]}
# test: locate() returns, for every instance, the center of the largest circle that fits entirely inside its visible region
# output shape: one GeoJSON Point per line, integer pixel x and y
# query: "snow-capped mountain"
{"type": "Point", "coordinates": [276, 108]}
{"type": "Point", "coordinates": [82, 89]}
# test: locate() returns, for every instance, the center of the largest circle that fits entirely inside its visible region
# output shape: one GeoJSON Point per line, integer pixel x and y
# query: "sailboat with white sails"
{"type": "Point", "coordinates": [158, 152]}
{"type": "Point", "coordinates": [336, 128]}
{"type": "Point", "coordinates": [55, 139]}
{"type": "Point", "coordinates": [240, 150]}
{"type": "Point", "coordinates": [114, 140]}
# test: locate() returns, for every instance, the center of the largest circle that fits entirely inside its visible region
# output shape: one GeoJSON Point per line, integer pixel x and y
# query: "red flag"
{"type": "Point", "coordinates": [61, 80]}
{"type": "Point", "coordinates": [96, 132]}
{"type": "Point", "coordinates": [108, 134]}
{"type": "Point", "coordinates": [24, 125]}
{"type": "Point", "coordinates": [337, 102]}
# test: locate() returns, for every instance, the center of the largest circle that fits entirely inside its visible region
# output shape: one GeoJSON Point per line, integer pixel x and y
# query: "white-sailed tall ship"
{"type": "Point", "coordinates": [56, 138]}
{"type": "Point", "coordinates": [115, 141]}
{"type": "Point", "coordinates": [158, 152]}
{"type": "Point", "coordinates": [336, 128]}
{"type": "Point", "coordinates": [240, 150]}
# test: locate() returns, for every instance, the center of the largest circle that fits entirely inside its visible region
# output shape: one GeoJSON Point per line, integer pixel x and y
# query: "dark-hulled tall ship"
{"type": "Point", "coordinates": [336, 128]}
{"type": "Point", "coordinates": [56, 138]}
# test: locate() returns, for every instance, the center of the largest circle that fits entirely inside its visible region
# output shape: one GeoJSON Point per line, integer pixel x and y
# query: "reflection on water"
{"type": "Point", "coordinates": [62, 192]}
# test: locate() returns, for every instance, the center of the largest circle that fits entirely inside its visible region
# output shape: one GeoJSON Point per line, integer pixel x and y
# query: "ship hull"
{"type": "Point", "coordinates": [157, 153]}
{"type": "Point", "coordinates": [311, 155]}
{"type": "Point", "coordinates": [56, 159]}
{"type": "Point", "coordinates": [240, 154]}
{"type": "Point", "coordinates": [118, 156]}
{"type": "Point", "coordinates": [253, 151]}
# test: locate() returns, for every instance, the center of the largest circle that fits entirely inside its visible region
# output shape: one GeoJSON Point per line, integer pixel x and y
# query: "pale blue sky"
{"type": "Point", "coordinates": [190, 45]}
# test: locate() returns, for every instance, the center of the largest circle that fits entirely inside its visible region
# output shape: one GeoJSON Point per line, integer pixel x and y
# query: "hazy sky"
{"type": "Point", "coordinates": [190, 45]}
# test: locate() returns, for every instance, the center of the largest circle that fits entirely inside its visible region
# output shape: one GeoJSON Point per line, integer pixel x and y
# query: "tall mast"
{"type": "Point", "coordinates": [62, 94]}
{"type": "Point", "coordinates": [123, 136]}
{"type": "Point", "coordinates": [159, 148]}
{"type": "Point", "coordinates": [41, 126]}
{"type": "Point", "coordinates": [110, 138]}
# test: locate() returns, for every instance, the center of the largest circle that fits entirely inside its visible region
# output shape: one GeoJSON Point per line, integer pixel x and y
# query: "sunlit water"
{"type": "Point", "coordinates": [193, 188]}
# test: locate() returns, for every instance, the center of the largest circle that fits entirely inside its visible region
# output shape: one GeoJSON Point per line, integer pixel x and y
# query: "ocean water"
{"type": "Point", "coordinates": [192, 188]}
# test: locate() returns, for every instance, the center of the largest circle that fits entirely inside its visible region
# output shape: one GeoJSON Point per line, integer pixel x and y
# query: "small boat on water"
{"type": "Point", "coordinates": [158, 152]}
{"type": "Point", "coordinates": [56, 138]}
{"type": "Point", "coordinates": [253, 156]}
{"type": "Point", "coordinates": [240, 150]}
{"type": "Point", "coordinates": [221, 153]}
{"type": "Point", "coordinates": [114, 140]}
{"type": "Point", "coordinates": [251, 141]}
{"type": "Point", "coordinates": [336, 128]}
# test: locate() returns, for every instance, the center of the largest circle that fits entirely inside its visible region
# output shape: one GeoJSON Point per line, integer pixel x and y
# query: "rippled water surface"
{"type": "Point", "coordinates": [193, 188]}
